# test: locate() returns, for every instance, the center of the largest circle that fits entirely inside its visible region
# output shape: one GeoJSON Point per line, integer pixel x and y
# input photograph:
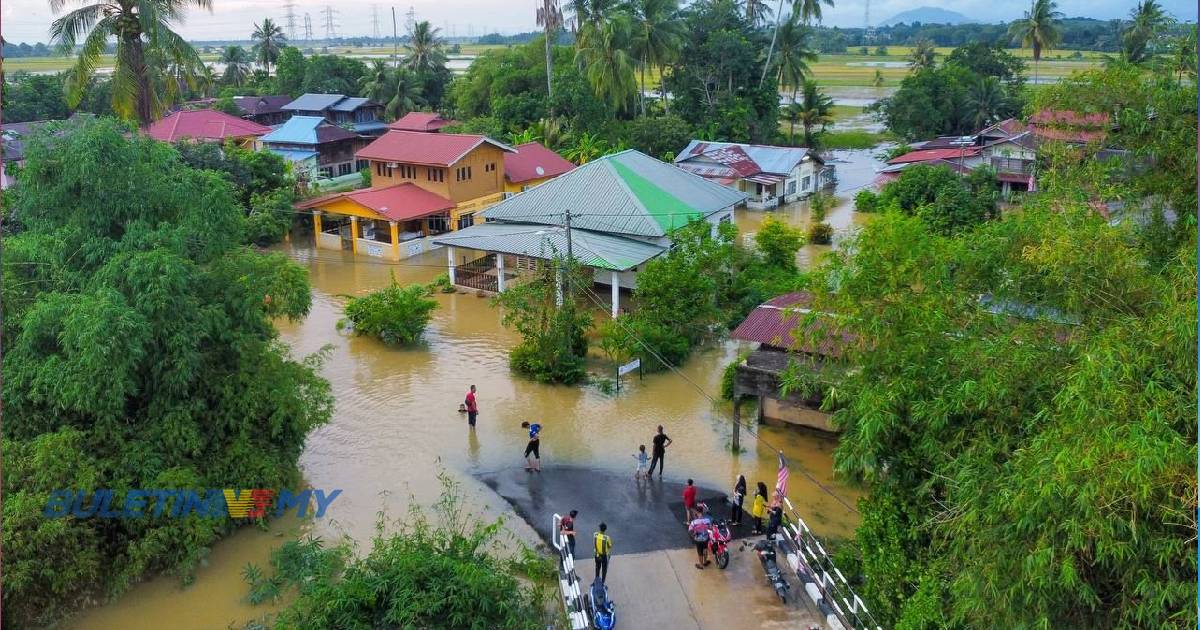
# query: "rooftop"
{"type": "Point", "coordinates": [621, 193]}
{"type": "Point", "coordinates": [307, 130]}
{"type": "Point", "coordinates": [533, 161]}
{"type": "Point", "coordinates": [927, 155]}
{"type": "Point", "coordinates": [203, 124]}
{"type": "Point", "coordinates": [314, 102]}
{"type": "Point", "coordinates": [258, 105]}
{"type": "Point", "coordinates": [434, 149]}
{"type": "Point", "coordinates": [747, 159]}
{"type": "Point", "coordinates": [773, 323]}
{"type": "Point", "coordinates": [594, 249]}
{"type": "Point", "coordinates": [400, 202]}
{"type": "Point", "coordinates": [421, 121]}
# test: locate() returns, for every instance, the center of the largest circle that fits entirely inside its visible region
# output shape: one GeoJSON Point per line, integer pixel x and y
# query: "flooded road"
{"type": "Point", "coordinates": [396, 424]}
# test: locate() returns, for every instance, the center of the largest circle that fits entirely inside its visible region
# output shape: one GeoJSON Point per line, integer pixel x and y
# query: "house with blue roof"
{"type": "Point", "coordinates": [768, 175]}
{"type": "Point", "coordinates": [360, 115]}
{"type": "Point", "coordinates": [315, 148]}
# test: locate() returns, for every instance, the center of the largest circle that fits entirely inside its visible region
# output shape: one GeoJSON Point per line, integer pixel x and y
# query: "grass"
{"type": "Point", "coordinates": [853, 139]}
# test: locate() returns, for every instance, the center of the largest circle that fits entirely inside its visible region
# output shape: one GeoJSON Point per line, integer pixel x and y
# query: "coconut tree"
{"type": "Point", "coordinates": [1183, 61]}
{"type": "Point", "coordinates": [269, 41]}
{"type": "Point", "coordinates": [794, 54]}
{"type": "Point", "coordinates": [406, 94]}
{"type": "Point", "coordinates": [140, 27]}
{"type": "Point", "coordinates": [809, 12]}
{"type": "Point", "coordinates": [657, 36]}
{"type": "Point", "coordinates": [604, 56]}
{"type": "Point", "coordinates": [1038, 30]}
{"type": "Point", "coordinates": [757, 12]}
{"type": "Point", "coordinates": [588, 146]}
{"type": "Point", "coordinates": [924, 55]}
{"type": "Point", "coordinates": [1146, 20]}
{"type": "Point", "coordinates": [815, 109]}
{"type": "Point", "coordinates": [237, 65]}
{"type": "Point", "coordinates": [425, 54]}
{"type": "Point", "coordinates": [550, 18]}
{"type": "Point", "coordinates": [377, 82]}
{"type": "Point", "coordinates": [589, 13]}
{"type": "Point", "coordinates": [985, 101]}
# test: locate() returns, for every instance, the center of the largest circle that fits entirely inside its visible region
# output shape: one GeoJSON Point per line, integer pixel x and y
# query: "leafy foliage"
{"type": "Point", "coordinates": [454, 572]}
{"type": "Point", "coordinates": [945, 201]}
{"type": "Point", "coordinates": [778, 242]}
{"type": "Point", "coordinates": [395, 315]}
{"type": "Point", "coordinates": [140, 354]}
{"type": "Point", "coordinates": [866, 200]}
{"type": "Point", "coordinates": [554, 337]}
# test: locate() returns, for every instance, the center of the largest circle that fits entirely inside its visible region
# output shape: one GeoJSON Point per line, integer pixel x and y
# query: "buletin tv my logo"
{"type": "Point", "coordinates": [210, 503]}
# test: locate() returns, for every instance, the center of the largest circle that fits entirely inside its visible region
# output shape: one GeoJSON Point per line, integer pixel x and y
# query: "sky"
{"type": "Point", "coordinates": [29, 20]}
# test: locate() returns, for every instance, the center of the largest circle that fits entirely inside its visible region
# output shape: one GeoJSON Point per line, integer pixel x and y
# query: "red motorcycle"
{"type": "Point", "coordinates": [718, 543]}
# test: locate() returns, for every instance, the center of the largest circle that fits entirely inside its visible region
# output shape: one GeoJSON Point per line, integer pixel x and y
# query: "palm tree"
{"type": "Point", "coordinates": [237, 65]}
{"type": "Point", "coordinates": [588, 146]}
{"type": "Point", "coordinates": [986, 101]}
{"type": "Point", "coordinates": [1183, 62]}
{"type": "Point", "coordinates": [406, 94]}
{"type": "Point", "coordinates": [816, 108]}
{"type": "Point", "coordinates": [550, 18]}
{"type": "Point", "coordinates": [425, 49]}
{"type": "Point", "coordinates": [924, 55]}
{"type": "Point", "coordinates": [377, 82]}
{"type": "Point", "coordinates": [810, 10]}
{"type": "Point", "coordinates": [270, 40]}
{"type": "Point", "coordinates": [589, 13]}
{"type": "Point", "coordinates": [792, 114]}
{"type": "Point", "coordinates": [206, 80]}
{"type": "Point", "coordinates": [1038, 30]}
{"type": "Point", "coordinates": [1147, 19]}
{"type": "Point", "coordinates": [140, 27]}
{"type": "Point", "coordinates": [794, 54]}
{"type": "Point", "coordinates": [757, 12]}
{"type": "Point", "coordinates": [605, 58]}
{"type": "Point", "coordinates": [657, 36]}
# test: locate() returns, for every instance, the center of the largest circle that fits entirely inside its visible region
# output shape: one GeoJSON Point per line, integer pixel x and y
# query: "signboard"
{"type": "Point", "coordinates": [629, 367]}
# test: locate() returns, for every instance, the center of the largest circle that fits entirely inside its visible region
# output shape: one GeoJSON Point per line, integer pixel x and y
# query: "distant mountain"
{"type": "Point", "coordinates": [927, 15]}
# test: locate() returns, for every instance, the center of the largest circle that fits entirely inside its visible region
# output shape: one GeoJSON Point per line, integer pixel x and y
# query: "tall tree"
{"type": "Point", "coordinates": [425, 49]}
{"type": "Point", "coordinates": [269, 41]}
{"type": "Point", "coordinates": [376, 84]}
{"type": "Point", "coordinates": [589, 13]}
{"type": "Point", "coordinates": [809, 12]}
{"type": "Point", "coordinates": [758, 12]}
{"type": "Point", "coordinates": [986, 100]}
{"type": "Point", "coordinates": [1146, 20]}
{"type": "Point", "coordinates": [406, 93]}
{"type": "Point", "coordinates": [657, 36]}
{"type": "Point", "coordinates": [923, 55]}
{"type": "Point", "coordinates": [604, 56]}
{"type": "Point", "coordinates": [1038, 29]}
{"type": "Point", "coordinates": [237, 65]}
{"type": "Point", "coordinates": [142, 29]}
{"type": "Point", "coordinates": [794, 54]}
{"type": "Point", "coordinates": [815, 109]}
{"type": "Point", "coordinates": [550, 18]}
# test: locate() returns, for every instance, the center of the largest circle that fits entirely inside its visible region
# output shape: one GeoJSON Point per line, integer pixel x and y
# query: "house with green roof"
{"type": "Point", "coordinates": [622, 210]}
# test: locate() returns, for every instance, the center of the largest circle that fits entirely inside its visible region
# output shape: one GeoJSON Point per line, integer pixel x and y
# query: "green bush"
{"type": "Point", "coordinates": [270, 217]}
{"type": "Point", "coordinates": [778, 242]}
{"type": "Point", "coordinates": [554, 337]}
{"type": "Point", "coordinates": [394, 315]}
{"type": "Point", "coordinates": [820, 234]}
{"type": "Point", "coordinates": [866, 201]}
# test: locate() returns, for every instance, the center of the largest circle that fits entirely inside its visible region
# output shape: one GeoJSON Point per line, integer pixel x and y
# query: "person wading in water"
{"type": "Point", "coordinates": [472, 407]}
{"type": "Point", "coordinates": [533, 458]}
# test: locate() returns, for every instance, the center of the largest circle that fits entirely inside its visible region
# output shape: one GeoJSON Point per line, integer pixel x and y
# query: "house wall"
{"type": "Point", "coordinates": [775, 411]}
{"type": "Point", "coordinates": [481, 183]}
{"type": "Point", "coordinates": [523, 186]}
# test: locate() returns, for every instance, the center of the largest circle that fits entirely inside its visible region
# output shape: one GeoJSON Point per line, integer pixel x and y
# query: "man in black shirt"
{"type": "Point", "coordinates": [661, 442]}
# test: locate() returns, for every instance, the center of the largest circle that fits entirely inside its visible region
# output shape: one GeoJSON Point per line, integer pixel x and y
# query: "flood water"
{"type": "Point", "coordinates": [396, 425]}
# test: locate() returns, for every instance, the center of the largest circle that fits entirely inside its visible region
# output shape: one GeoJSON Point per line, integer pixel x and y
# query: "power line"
{"type": "Point", "coordinates": [307, 27]}
{"type": "Point", "coordinates": [290, 19]}
{"type": "Point", "coordinates": [375, 21]}
{"type": "Point", "coordinates": [330, 26]}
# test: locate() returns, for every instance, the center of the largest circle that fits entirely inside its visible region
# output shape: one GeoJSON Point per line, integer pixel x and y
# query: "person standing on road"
{"type": "Point", "coordinates": [700, 528]}
{"type": "Point", "coordinates": [739, 497]}
{"type": "Point", "coordinates": [472, 407]}
{"type": "Point", "coordinates": [661, 442]}
{"type": "Point", "coordinates": [567, 527]}
{"type": "Point", "coordinates": [534, 463]}
{"type": "Point", "coordinates": [603, 548]}
{"type": "Point", "coordinates": [689, 501]}
{"type": "Point", "coordinates": [759, 510]}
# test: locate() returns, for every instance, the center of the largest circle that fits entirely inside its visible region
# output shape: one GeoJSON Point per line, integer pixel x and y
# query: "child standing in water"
{"type": "Point", "coordinates": [642, 460]}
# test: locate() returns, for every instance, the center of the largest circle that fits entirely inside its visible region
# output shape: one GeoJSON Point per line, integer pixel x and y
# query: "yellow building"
{"type": "Point", "coordinates": [385, 222]}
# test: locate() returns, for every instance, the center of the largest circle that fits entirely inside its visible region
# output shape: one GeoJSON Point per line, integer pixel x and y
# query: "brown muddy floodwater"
{"type": "Point", "coordinates": [396, 424]}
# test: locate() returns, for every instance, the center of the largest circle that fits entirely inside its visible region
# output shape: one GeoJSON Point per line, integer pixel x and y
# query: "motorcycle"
{"type": "Point", "coordinates": [601, 609]}
{"type": "Point", "coordinates": [718, 543]}
{"type": "Point", "coordinates": [766, 555]}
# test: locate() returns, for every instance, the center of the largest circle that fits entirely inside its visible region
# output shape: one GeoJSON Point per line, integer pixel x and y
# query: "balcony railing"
{"type": "Point", "coordinates": [1012, 165]}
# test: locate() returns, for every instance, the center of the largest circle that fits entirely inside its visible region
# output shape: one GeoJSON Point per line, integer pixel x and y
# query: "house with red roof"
{"type": "Point", "coordinates": [768, 175]}
{"type": "Point", "coordinates": [531, 164]}
{"type": "Point", "coordinates": [389, 221]}
{"type": "Point", "coordinates": [206, 125]}
{"type": "Point", "coordinates": [431, 122]}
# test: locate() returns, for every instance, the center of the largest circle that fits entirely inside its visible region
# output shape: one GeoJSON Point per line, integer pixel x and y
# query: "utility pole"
{"type": "Point", "coordinates": [290, 19]}
{"type": "Point", "coordinates": [375, 21]}
{"type": "Point", "coordinates": [330, 27]}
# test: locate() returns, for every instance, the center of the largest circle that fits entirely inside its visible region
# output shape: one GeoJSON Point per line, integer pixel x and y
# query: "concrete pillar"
{"type": "Point", "coordinates": [450, 262]}
{"type": "Point", "coordinates": [737, 422]}
{"type": "Point", "coordinates": [354, 234]}
{"type": "Point", "coordinates": [395, 239]}
{"type": "Point", "coordinates": [616, 294]}
{"type": "Point", "coordinates": [500, 272]}
{"type": "Point", "coordinates": [317, 227]}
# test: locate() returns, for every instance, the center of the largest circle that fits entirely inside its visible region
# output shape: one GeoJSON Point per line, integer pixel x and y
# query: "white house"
{"type": "Point", "coordinates": [768, 175]}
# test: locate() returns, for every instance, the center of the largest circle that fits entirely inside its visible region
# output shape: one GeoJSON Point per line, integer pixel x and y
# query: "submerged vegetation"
{"type": "Point", "coordinates": [395, 315]}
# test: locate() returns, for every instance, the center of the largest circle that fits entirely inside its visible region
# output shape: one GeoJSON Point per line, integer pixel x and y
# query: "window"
{"type": "Point", "coordinates": [466, 221]}
{"type": "Point", "coordinates": [379, 169]}
{"type": "Point", "coordinates": [439, 224]}
{"type": "Point", "coordinates": [326, 172]}
{"type": "Point", "coordinates": [344, 169]}
{"type": "Point", "coordinates": [463, 173]}
{"type": "Point", "coordinates": [791, 189]}
{"type": "Point", "coordinates": [728, 218]}
{"type": "Point", "coordinates": [360, 165]}
{"type": "Point", "coordinates": [489, 167]}
{"type": "Point", "coordinates": [435, 175]}
{"type": "Point", "coordinates": [805, 183]}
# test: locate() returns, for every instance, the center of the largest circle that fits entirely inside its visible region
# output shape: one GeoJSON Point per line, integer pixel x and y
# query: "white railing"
{"type": "Point", "coordinates": [568, 580]}
{"type": "Point", "coordinates": [823, 582]}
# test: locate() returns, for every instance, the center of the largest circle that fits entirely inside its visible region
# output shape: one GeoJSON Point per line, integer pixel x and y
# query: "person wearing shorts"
{"type": "Point", "coordinates": [533, 458]}
{"type": "Point", "coordinates": [700, 528]}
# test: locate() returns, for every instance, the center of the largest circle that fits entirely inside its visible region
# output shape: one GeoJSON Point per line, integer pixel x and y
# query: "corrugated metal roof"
{"type": "Point", "coordinates": [399, 202]}
{"type": "Point", "coordinates": [415, 147]}
{"type": "Point", "coordinates": [314, 102]}
{"type": "Point", "coordinates": [774, 322]}
{"type": "Point", "coordinates": [203, 124]}
{"type": "Point", "coordinates": [594, 249]}
{"type": "Point", "coordinates": [421, 121]}
{"type": "Point", "coordinates": [770, 159]}
{"type": "Point", "coordinates": [350, 104]}
{"type": "Point", "coordinates": [623, 193]}
{"type": "Point", "coordinates": [926, 155]}
{"type": "Point", "coordinates": [258, 105]}
{"type": "Point", "coordinates": [297, 130]}
{"type": "Point", "coordinates": [533, 161]}
{"type": "Point", "coordinates": [294, 156]}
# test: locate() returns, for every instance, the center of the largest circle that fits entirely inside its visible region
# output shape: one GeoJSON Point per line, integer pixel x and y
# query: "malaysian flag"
{"type": "Point", "coordinates": [782, 479]}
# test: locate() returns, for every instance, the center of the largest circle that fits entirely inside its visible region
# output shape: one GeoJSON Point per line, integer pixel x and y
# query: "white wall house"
{"type": "Point", "coordinates": [768, 175]}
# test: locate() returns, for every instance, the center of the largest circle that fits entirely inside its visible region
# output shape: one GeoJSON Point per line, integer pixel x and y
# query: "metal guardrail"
{"type": "Point", "coordinates": [568, 580]}
{"type": "Point", "coordinates": [823, 582]}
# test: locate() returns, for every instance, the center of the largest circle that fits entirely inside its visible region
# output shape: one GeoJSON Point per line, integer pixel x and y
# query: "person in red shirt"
{"type": "Point", "coordinates": [472, 407]}
{"type": "Point", "coordinates": [689, 500]}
